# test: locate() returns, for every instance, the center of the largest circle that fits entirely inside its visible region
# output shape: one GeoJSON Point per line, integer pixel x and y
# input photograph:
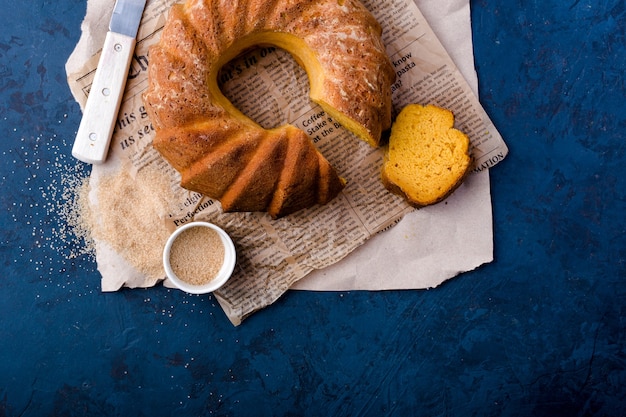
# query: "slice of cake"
{"type": "Point", "coordinates": [427, 158]}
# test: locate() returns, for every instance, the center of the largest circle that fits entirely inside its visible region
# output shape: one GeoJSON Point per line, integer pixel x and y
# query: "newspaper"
{"type": "Point", "coordinates": [272, 89]}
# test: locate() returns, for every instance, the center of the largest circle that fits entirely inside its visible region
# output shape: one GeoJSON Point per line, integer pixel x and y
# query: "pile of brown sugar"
{"type": "Point", "coordinates": [130, 215]}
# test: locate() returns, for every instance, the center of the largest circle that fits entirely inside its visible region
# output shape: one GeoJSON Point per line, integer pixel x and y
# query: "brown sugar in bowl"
{"type": "Point", "coordinates": [199, 257]}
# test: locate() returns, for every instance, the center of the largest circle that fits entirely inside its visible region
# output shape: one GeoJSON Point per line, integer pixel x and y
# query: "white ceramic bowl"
{"type": "Point", "coordinates": [224, 273]}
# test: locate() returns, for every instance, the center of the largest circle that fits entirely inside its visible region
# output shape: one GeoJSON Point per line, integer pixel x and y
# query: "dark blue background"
{"type": "Point", "coordinates": [540, 331]}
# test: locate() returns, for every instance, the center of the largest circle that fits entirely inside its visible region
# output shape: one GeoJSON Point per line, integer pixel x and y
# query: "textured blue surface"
{"type": "Point", "coordinates": [540, 331]}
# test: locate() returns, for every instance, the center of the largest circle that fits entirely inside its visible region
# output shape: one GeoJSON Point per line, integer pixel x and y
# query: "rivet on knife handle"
{"type": "Point", "coordinates": [103, 104]}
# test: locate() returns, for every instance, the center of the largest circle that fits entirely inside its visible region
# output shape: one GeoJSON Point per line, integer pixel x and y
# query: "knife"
{"type": "Point", "coordinates": [103, 103]}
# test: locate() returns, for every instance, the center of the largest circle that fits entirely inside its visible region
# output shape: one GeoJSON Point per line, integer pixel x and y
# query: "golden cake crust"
{"type": "Point", "coordinates": [222, 153]}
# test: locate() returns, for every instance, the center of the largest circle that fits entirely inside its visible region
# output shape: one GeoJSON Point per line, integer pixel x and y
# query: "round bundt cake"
{"type": "Point", "coordinates": [225, 155]}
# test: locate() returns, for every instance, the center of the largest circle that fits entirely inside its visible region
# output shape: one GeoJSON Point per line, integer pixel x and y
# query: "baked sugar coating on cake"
{"type": "Point", "coordinates": [427, 157]}
{"type": "Point", "coordinates": [218, 150]}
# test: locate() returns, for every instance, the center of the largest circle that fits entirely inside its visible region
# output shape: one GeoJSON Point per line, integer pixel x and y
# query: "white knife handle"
{"type": "Point", "coordinates": [103, 103]}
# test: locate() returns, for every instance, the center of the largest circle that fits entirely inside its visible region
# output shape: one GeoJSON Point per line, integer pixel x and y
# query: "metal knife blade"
{"type": "Point", "coordinates": [103, 103]}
